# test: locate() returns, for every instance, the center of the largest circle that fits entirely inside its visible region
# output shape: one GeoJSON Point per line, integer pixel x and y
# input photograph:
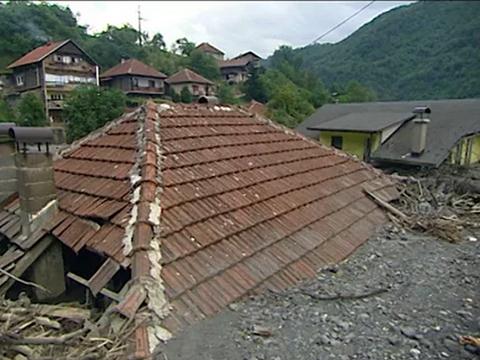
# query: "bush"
{"type": "Point", "coordinates": [226, 94]}
{"type": "Point", "coordinates": [6, 112]}
{"type": "Point", "coordinates": [89, 107]}
{"type": "Point", "coordinates": [31, 111]}
{"type": "Point", "coordinates": [186, 96]}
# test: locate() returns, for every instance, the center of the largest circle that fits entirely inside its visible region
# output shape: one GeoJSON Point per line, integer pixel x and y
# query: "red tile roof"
{"type": "Point", "coordinates": [227, 202]}
{"type": "Point", "coordinates": [38, 53]}
{"type": "Point", "coordinates": [187, 76]}
{"type": "Point", "coordinates": [240, 62]}
{"type": "Point", "coordinates": [133, 67]}
{"type": "Point", "coordinates": [206, 47]}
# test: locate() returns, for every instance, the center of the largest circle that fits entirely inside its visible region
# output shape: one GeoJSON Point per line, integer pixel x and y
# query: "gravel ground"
{"type": "Point", "coordinates": [421, 295]}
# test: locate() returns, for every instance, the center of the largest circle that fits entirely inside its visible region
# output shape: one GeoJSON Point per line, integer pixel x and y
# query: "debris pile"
{"type": "Point", "coordinates": [445, 203]}
{"type": "Point", "coordinates": [40, 331]}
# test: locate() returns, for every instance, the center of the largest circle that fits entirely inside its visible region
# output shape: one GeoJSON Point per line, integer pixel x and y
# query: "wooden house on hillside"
{"type": "Point", "coordinates": [211, 50]}
{"type": "Point", "coordinates": [133, 77]}
{"type": "Point", "coordinates": [51, 71]}
{"type": "Point", "coordinates": [236, 70]}
{"type": "Point", "coordinates": [195, 83]}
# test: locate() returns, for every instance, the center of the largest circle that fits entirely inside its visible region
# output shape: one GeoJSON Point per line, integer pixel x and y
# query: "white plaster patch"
{"type": "Point", "coordinates": [155, 212]}
{"type": "Point", "coordinates": [163, 107]}
{"type": "Point", "coordinates": [127, 238]}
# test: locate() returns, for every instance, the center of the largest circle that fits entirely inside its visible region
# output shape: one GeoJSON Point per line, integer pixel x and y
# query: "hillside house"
{"type": "Point", "coordinates": [178, 211]}
{"type": "Point", "coordinates": [195, 83]}
{"type": "Point", "coordinates": [51, 71]}
{"type": "Point", "coordinates": [399, 132]}
{"type": "Point", "coordinates": [211, 50]}
{"type": "Point", "coordinates": [236, 70]}
{"type": "Point", "coordinates": [133, 77]}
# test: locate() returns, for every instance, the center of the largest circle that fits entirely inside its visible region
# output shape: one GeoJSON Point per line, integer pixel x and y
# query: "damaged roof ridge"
{"type": "Point", "coordinates": [96, 134]}
{"type": "Point", "coordinates": [145, 248]}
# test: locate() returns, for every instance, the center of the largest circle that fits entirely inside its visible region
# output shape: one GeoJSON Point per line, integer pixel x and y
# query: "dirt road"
{"type": "Point", "coordinates": [400, 296]}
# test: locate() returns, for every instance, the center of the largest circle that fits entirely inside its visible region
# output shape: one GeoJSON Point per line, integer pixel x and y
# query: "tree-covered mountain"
{"type": "Point", "coordinates": [426, 50]}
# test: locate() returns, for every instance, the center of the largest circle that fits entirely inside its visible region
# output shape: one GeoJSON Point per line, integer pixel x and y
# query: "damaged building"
{"type": "Point", "coordinates": [172, 212]}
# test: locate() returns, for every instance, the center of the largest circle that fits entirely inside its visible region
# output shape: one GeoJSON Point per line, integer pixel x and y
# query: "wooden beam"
{"type": "Point", "coordinates": [26, 260]}
{"type": "Point", "coordinates": [108, 293]}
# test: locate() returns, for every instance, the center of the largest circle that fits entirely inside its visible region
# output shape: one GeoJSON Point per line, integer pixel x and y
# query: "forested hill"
{"type": "Point", "coordinates": [426, 50]}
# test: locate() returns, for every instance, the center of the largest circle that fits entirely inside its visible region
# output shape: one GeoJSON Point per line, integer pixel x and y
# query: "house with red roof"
{"type": "Point", "coordinates": [171, 213]}
{"type": "Point", "coordinates": [209, 49]}
{"type": "Point", "coordinates": [51, 71]}
{"type": "Point", "coordinates": [133, 77]}
{"type": "Point", "coordinates": [195, 83]}
{"type": "Point", "coordinates": [236, 70]}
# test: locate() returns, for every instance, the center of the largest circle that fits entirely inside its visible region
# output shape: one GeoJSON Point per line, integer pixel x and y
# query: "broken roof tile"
{"type": "Point", "coordinates": [245, 204]}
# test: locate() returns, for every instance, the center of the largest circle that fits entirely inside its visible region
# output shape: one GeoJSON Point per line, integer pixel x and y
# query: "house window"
{"type": "Point", "coordinates": [56, 96]}
{"type": "Point", "coordinates": [195, 89]}
{"type": "Point", "coordinates": [76, 60]}
{"type": "Point", "coordinates": [135, 82]}
{"type": "Point", "coordinates": [337, 142]}
{"type": "Point", "coordinates": [66, 59]}
{"type": "Point", "coordinates": [151, 83]}
{"type": "Point", "coordinates": [20, 80]}
{"type": "Point", "coordinates": [57, 58]}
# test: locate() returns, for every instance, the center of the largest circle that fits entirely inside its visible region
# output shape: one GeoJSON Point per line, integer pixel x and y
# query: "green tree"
{"type": "Point", "coordinates": [356, 92]}
{"type": "Point", "coordinates": [203, 64]}
{"type": "Point", "coordinates": [6, 112]}
{"type": "Point", "coordinates": [89, 107]}
{"type": "Point", "coordinates": [185, 95]}
{"type": "Point", "coordinates": [157, 41]}
{"type": "Point", "coordinates": [184, 46]}
{"type": "Point", "coordinates": [254, 87]}
{"type": "Point", "coordinates": [226, 94]}
{"type": "Point", "coordinates": [31, 111]}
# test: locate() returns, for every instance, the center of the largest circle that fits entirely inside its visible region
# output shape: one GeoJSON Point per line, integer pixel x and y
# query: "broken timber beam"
{"type": "Point", "coordinates": [108, 293]}
{"type": "Point", "coordinates": [385, 205]}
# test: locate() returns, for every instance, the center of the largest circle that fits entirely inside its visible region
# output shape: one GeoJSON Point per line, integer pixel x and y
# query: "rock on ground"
{"type": "Point", "coordinates": [430, 297]}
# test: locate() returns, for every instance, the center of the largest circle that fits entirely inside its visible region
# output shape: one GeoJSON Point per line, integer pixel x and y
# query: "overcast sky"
{"type": "Point", "coordinates": [234, 27]}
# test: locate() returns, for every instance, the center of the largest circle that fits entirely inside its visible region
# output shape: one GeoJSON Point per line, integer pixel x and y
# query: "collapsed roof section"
{"type": "Point", "coordinates": [205, 204]}
{"type": "Point", "coordinates": [240, 204]}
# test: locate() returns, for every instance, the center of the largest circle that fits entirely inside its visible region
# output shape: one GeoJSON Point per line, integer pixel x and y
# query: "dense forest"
{"type": "Point", "coordinates": [426, 50]}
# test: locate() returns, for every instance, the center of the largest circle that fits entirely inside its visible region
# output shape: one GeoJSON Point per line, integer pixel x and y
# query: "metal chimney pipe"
{"type": "Point", "coordinates": [419, 136]}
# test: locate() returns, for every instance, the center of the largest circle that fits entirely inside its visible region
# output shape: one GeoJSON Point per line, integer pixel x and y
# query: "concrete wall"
{"type": "Point", "coordinates": [48, 271]}
{"type": "Point", "coordinates": [354, 143]}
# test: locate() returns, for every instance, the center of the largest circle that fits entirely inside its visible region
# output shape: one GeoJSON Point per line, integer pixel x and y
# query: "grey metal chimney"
{"type": "Point", "coordinates": [419, 130]}
{"type": "Point", "coordinates": [8, 171]}
{"type": "Point", "coordinates": [35, 183]}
